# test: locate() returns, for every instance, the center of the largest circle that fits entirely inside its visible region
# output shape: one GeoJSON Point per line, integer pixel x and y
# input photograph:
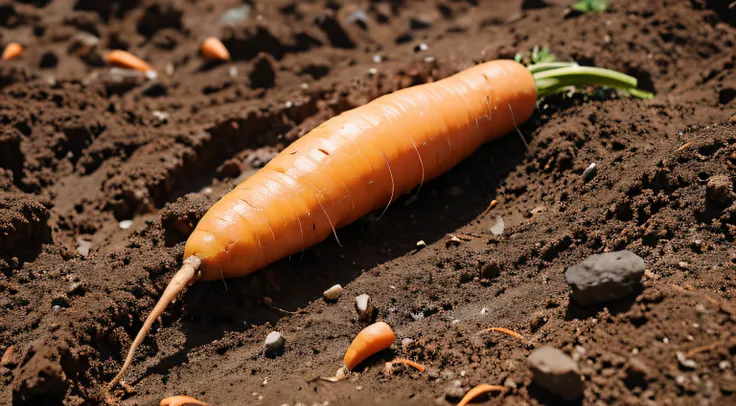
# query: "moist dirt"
{"type": "Point", "coordinates": [85, 149]}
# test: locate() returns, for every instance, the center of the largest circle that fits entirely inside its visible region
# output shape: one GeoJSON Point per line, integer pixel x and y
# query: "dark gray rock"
{"type": "Point", "coordinates": [555, 371]}
{"type": "Point", "coordinates": [605, 277]}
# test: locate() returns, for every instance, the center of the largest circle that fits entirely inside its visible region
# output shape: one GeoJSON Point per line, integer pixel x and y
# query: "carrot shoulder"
{"type": "Point", "coordinates": [358, 162]}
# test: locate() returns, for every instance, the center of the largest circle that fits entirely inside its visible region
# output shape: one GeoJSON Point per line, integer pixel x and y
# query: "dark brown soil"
{"type": "Point", "coordinates": [82, 149]}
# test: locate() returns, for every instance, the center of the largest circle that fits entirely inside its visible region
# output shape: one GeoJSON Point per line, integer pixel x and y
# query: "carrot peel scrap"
{"type": "Point", "coordinates": [405, 361]}
{"type": "Point", "coordinates": [512, 333]}
{"type": "Point", "coordinates": [479, 390]}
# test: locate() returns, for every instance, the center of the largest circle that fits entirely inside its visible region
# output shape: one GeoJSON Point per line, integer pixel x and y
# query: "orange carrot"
{"type": "Point", "coordinates": [372, 339]}
{"type": "Point", "coordinates": [361, 161]}
{"type": "Point", "coordinates": [512, 333]}
{"type": "Point", "coordinates": [479, 390]}
{"type": "Point", "coordinates": [408, 362]}
{"type": "Point", "coordinates": [181, 400]}
{"type": "Point", "coordinates": [214, 50]}
{"type": "Point", "coordinates": [12, 51]}
{"type": "Point", "coordinates": [127, 60]}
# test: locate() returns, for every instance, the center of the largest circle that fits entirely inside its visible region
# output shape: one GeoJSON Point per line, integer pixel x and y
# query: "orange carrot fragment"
{"type": "Point", "coordinates": [512, 333]}
{"type": "Point", "coordinates": [479, 390]}
{"type": "Point", "coordinates": [372, 339]}
{"type": "Point", "coordinates": [12, 51]}
{"type": "Point", "coordinates": [214, 50]}
{"type": "Point", "coordinates": [181, 400]}
{"type": "Point", "coordinates": [127, 60]}
{"type": "Point", "coordinates": [703, 348]}
{"type": "Point", "coordinates": [408, 362]}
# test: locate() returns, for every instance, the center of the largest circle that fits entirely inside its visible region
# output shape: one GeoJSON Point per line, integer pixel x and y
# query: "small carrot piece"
{"type": "Point", "coordinates": [408, 362]}
{"type": "Point", "coordinates": [214, 50]}
{"type": "Point", "coordinates": [181, 400]}
{"type": "Point", "coordinates": [372, 339]}
{"type": "Point", "coordinates": [512, 333]}
{"type": "Point", "coordinates": [127, 60]}
{"type": "Point", "coordinates": [479, 390]}
{"type": "Point", "coordinates": [12, 51]}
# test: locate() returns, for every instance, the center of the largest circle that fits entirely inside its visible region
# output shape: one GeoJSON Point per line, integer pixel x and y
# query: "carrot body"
{"type": "Point", "coordinates": [479, 390]}
{"type": "Point", "coordinates": [358, 162]}
{"type": "Point", "coordinates": [181, 400]}
{"type": "Point", "coordinates": [372, 339]}
{"type": "Point", "coordinates": [214, 49]}
{"type": "Point", "coordinates": [127, 60]}
{"type": "Point", "coordinates": [12, 51]}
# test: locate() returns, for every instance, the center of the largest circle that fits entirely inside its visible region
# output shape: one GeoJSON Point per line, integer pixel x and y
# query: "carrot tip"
{"type": "Point", "coordinates": [512, 333]}
{"type": "Point", "coordinates": [479, 390]}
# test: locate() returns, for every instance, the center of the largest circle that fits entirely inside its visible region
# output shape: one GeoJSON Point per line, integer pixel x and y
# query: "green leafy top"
{"type": "Point", "coordinates": [590, 5]}
{"type": "Point", "coordinates": [537, 55]}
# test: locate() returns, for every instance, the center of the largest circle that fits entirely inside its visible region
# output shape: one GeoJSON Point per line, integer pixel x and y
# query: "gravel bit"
{"type": "Point", "coordinates": [333, 293]}
{"type": "Point", "coordinates": [364, 306]}
{"type": "Point", "coordinates": [274, 342]}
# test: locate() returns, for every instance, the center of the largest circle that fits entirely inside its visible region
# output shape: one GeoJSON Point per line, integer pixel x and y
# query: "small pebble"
{"type": "Point", "coordinates": [10, 358]}
{"type": "Point", "coordinates": [498, 227]}
{"type": "Point", "coordinates": [372, 71]}
{"type": "Point", "coordinates": [83, 246]}
{"type": "Point", "coordinates": [421, 244]}
{"type": "Point", "coordinates": [556, 372]}
{"type": "Point", "coordinates": [365, 309]}
{"type": "Point", "coordinates": [724, 365]}
{"type": "Point", "coordinates": [333, 293]}
{"type": "Point", "coordinates": [719, 190]}
{"type": "Point", "coordinates": [685, 362]}
{"type": "Point", "coordinates": [377, 58]}
{"type": "Point", "coordinates": [454, 241]}
{"type": "Point", "coordinates": [590, 172]}
{"type": "Point", "coordinates": [126, 224]}
{"type": "Point", "coordinates": [421, 47]}
{"type": "Point", "coordinates": [407, 342]}
{"type": "Point", "coordinates": [605, 277]}
{"type": "Point", "coordinates": [274, 341]}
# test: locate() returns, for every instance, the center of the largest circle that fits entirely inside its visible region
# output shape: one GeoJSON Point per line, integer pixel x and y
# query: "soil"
{"type": "Point", "coordinates": [84, 148]}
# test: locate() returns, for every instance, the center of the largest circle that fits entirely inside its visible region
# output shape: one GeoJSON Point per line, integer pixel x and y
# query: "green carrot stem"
{"type": "Point", "coordinates": [552, 79]}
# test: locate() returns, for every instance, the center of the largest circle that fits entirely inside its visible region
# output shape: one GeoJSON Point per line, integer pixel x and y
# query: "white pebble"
{"type": "Point", "coordinates": [364, 307]}
{"type": "Point", "coordinates": [377, 58]}
{"type": "Point", "coordinates": [333, 293]}
{"type": "Point", "coordinates": [288, 104]}
{"type": "Point", "coordinates": [372, 71]}
{"type": "Point", "coordinates": [126, 224]}
{"type": "Point", "coordinates": [274, 341]}
{"type": "Point", "coordinates": [423, 47]}
{"type": "Point", "coordinates": [421, 244]}
{"type": "Point", "coordinates": [233, 71]}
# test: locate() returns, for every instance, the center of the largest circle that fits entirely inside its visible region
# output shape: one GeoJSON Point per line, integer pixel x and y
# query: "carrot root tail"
{"type": "Point", "coordinates": [187, 275]}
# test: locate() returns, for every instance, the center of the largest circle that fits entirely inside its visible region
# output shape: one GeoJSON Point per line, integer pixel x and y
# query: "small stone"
{"type": "Point", "coordinates": [235, 15]}
{"type": "Point", "coordinates": [274, 342]}
{"type": "Point", "coordinates": [365, 309]}
{"type": "Point", "coordinates": [498, 227]}
{"type": "Point", "coordinates": [719, 190]}
{"type": "Point", "coordinates": [10, 358]}
{"type": "Point", "coordinates": [509, 383]}
{"type": "Point", "coordinates": [454, 241]}
{"type": "Point", "coordinates": [406, 343]}
{"type": "Point", "coordinates": [76, 288]}
{"type": "Point", "coordinates": [421, 244]}
{"type": "Point", "coordinates": [333, 293]}
{"type": "Point", "coordinates": [605, 277]}
{"type": "Point", "coordinates": [590, 172]}
{"type": "Point", "coordinates": [685, 363]}
{"type": "Point", "coordinates": [83, 246]}
{"type": "Point", "coordinates": [556, 372]}
{"type": "Point", "coordinates": [724, 365]}
{"type": "Point", "coordinates": [126, 224]}
{"type": "Point", "coordinates": [421, 47]}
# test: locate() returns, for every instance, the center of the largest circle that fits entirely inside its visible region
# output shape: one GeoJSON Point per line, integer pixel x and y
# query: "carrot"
{"type": "Point", "coordinates": [181, 400]}
{"type": "Point", "coordinates": [512, 333]}
{"type": "Point", "coordinates": [405, 361]}
{"type": "Point", "coordinates": [12, 51]}
{"type": "Point", "coordinates": [372, 339]}
{"type": "Point", "coordinates": [479, 390]}
{"type": "Point", "coordinates": [361, 161]}
{"type": "Point", "coordinates": [214, 50]}
{"type": "Point", "coordinates": [127, 60]}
